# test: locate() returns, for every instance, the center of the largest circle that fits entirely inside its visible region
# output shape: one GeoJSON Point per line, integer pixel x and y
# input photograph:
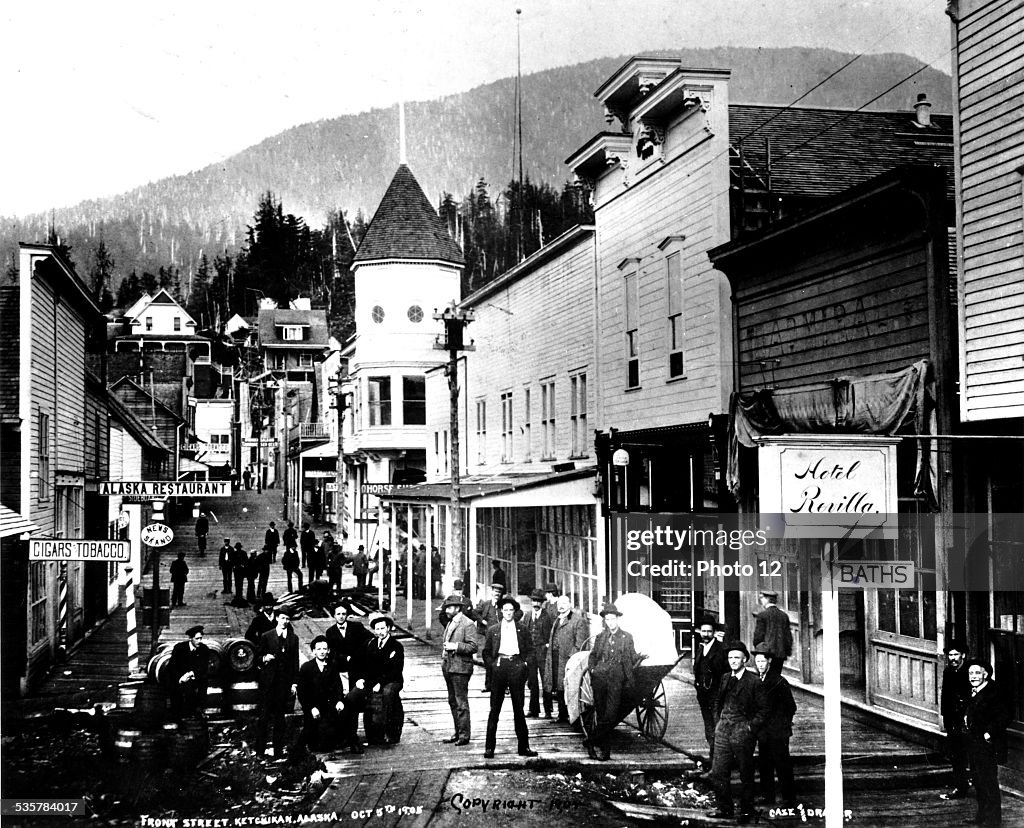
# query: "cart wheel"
{"type": "Point", "coordinates": [652, 713]}
{"type": "Point", "coordinates": [588, 713]}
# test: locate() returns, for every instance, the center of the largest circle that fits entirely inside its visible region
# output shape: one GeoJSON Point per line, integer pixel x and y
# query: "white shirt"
{"type": "Point", "coordinates": [509, 641]}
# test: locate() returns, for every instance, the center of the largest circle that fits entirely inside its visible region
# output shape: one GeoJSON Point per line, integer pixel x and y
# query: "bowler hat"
{"type": "Point", "coordinates": [454, 600]}
{"type": "Point", "coordinates": [385, 618]}
{"type": "Point", "coordinates": [552, 588]}
{"type": "Point", "coordinates": [739, 646]}
{"type": "Point", "coordinates": [191, 631]}
{"type": "Point", "coordinates": [955, 644]}
{"type": "Point", "coordinates": [283, 610]}
{"type": "Point", "coordinates": [763, 648]}
{"type": "Point", "coordinates": [508, 599]}
{"type": "Point", "coordinates": [268, 600]}
{"type": "Point", "coordinates": [537, 595]}
{"type": "Point", "coordinates": [610, 609]}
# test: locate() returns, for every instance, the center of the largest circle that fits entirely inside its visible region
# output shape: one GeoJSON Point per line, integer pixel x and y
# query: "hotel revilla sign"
{"type": "Point", "coordinates": [158, 489]}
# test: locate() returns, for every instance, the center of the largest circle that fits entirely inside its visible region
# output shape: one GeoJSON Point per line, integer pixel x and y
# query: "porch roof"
{"type": "Point", "coordinates": [475, 487]}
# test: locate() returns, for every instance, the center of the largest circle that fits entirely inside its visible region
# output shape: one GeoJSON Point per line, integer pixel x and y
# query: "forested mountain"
{"type": "Point", "coordinates": [454, 143]}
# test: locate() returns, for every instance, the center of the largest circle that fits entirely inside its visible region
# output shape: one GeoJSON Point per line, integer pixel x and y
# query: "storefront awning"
{"type": "Point", "coordinates": [12, 523]}
{"type": "Point", "coordinates": [186, 466]}
{"type": "Point", "coordinates": [486, 487]}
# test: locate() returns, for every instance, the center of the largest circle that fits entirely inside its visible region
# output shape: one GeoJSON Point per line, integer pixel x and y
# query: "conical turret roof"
{"type": "Point", "coordinates": [406, 226]}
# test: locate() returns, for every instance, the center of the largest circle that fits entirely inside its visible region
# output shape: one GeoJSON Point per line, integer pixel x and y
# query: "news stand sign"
{"type": "Point", "coordinates": [839, 488]}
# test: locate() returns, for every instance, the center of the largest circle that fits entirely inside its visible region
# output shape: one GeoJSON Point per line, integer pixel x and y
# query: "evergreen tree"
{"type": "Point", "coordinates": [128, 291]}
{"type": "Point", "coordinates": [100, 276]}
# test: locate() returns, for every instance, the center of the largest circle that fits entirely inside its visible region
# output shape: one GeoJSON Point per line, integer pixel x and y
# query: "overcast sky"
{"type": "Point", "coordinates": [104, 96]}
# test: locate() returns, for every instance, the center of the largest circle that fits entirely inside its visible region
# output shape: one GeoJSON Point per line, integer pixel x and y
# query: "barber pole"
{"type": "Point", "coordinates": [133, 633]}
{"type": "Point", "coordinates": [63, 607]}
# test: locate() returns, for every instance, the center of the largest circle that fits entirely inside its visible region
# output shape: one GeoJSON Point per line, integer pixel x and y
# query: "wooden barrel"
{"type": "Point", "coordinates": [126, 693]}
{"type": "Point", "coordinates": [243, 695]}
{"type": "Point", "coordinates": [214, 704]}
{"type": "Point", "coordinates": [195, 730]}
{"type": "Point", "coordinates": [150, 706]}
{"type": "Point", "coordinates": [159, 668]}
{"type": "Point", "coordinates": [146, 751]}
{"type": "Point", "coordinates": [124, 739]}
{"type": "Point", "coordinates": [239, 655]}
{"type": "Point", "coordinates": [216, 650]}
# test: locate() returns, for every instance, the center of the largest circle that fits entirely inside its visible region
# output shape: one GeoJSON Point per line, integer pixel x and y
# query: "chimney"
{"type": "Point", "coordinates": [923, 107]}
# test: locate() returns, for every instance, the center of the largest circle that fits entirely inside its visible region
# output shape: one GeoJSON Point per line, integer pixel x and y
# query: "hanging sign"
{"type": "Point", "coordinates": [52, 549]}
{"type": "Point", "coordinates": [157, 534]}
{"type": "Point", "coordinates": [161, 490]}
{"type": "Point", "coordinates": [620, 458]}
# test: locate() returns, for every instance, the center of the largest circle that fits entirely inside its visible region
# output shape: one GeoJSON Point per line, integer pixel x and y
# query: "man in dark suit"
{"type": "Point", "coordinates": [507, 648]}
{"type": "Point", "coordinates": [487, 615]}
{"type": "Point", "coordinates": [773, 757]}
{"type": "Point", "coordinates": [383, 666]}
{"type": "Point", "coordinates": [179, 575]}
{"type": "Point", "coordinates": [277, 655]}
{"type": "Point", "coordinates": [224, 563]}
{"type": "Point", "coordinates": [320, 694]}
{"type": "Point", "coordinates": [709, 665]}
{"type": "Point", "coordinates": [772, 628]}
{"type": "Point", "coordinates": [188, 669]}
{"type": "Point", "coordinates": [272, 540]}
{"type": "Point", "coordinates": [986, 718]}
{"type": "Point", "coordinates": [348, 640]}
{"type": "Point", "coordinates": [263, 621]}
{"type": "Point", "coordinates": [538, 623]}
{"type": "Point", "coordinates": [611, 663]}
{"type": "Point", "coordinates": [956, 689]}
{"type": "Point", "coordinates": [740, 711]}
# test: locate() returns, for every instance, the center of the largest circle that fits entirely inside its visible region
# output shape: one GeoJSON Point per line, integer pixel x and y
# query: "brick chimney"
{"type": "Point", "coordinates": [923, 108]}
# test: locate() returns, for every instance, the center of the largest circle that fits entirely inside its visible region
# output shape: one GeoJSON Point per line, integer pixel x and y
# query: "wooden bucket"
{"type": "Point", "coordinates": [244, 696]}
{"type": "Point", "coordinates": [126, 693]}
{"type": "Point", "coordinates": [239, 655]}
{"type": "Point", "coordinates": [214, 704]}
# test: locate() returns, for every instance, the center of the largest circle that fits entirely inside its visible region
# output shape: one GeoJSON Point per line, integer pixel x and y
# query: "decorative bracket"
{"type": "Point", "coordinates": [699, 97]}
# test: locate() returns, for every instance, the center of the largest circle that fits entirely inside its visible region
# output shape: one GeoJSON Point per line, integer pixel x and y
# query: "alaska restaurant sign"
{"type": "Point", "coordinates": [828, 475]}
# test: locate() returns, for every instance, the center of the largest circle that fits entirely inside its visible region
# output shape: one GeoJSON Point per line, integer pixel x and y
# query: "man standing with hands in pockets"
{"type": "Point", "coordinates": [460, 642]}
{"type": "Point", "coordinates": [507, 649]}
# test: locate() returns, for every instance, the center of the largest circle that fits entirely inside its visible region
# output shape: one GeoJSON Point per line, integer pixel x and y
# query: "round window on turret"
{"type": "Point", "coordinates": [377, 314]}
{"type": "Point", "coordinates": [415, 313]}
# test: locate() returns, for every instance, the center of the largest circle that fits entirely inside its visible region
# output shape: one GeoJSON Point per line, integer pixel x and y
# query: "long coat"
{"type": "Point", "coordinates": [567, 639]}
{"type": "Point", "coordinates": [614, 654]}
{"type": "Point", "coordinates": [956, 690]}
{"type": "Point", "coordinates": [709, 669]}
{"type": "Point", "coordinates": [348, 652]}
{"type": "Point", "coordinates": [772, 628]}
{"type": "Point", "coordinates": [384, 665]}
{"type": "Point", "coordinates": [781, 707]}
{"type": "Point", "coordinates": [987, 712]}
{"type": "Point", "coordinates": [278, 675]}
{"type": "Point", "coordinates": [462, 631]}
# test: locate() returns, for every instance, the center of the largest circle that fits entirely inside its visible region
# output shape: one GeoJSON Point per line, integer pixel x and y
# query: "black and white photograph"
{"type": "Point", "coordinates": [518, 413]}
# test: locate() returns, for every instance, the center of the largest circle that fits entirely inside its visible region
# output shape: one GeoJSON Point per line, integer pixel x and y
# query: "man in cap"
{"type": "Point", "coordinates": [569, 635]}
{"type": "Point", "coordinates": [188, 669]}
{"type": "Point", "coordinates": [507, 648]}
{"type": "Point", "coordinates": [956, 691]}
{"type": "Point", "coordinates": [709, 665]}
{"type": "Point", "coordinates": [538, 622]}
{"type": "Point", "coordinates": [772, 628]}
{"type": "Point", "coordinates": [277, 655]}
{"type": "Point", "coordinates": [740, 712]}
{"type": "Point", "coordinates": [224, 563]}
{"type": "Point", "coordinates": [179, 575]}
{"type": "Point", "coordinates": [263, 621]}
{"type": "Point", "coordinates": [773, 757]}
{"type": "Point", "coordinates": [384, 665]}
{"type": "Point", "coordinates": [611, 663]}
{"type": "Point", "coordinates": [320, 694]}
{"type": "Point", "coordinates": [457, 649]}
{"type": "Point", "coordinates": [487, 616]}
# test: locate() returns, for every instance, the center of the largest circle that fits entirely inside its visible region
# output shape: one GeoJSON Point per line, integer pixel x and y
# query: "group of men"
{"type": "Point", "coordinates": [743, 710]}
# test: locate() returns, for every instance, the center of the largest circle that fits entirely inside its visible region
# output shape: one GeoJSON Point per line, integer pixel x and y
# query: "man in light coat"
{"type": "Point", "coordinates": [459, 645]}
{"type": "Point", "coordinates": [569, 635]}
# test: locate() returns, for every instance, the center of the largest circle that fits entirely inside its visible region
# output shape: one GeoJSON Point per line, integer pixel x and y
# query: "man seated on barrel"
{"type": "Point", "coordinates": [320, 694]}
{"type": "Point", "coordinates": [188, 669]}
{"type": "Point", "coordinates": [384, 662]}
{"type": "Point", "coordinates": [611, 665]}
{"type": "Point", "coordinates": [507, 649]}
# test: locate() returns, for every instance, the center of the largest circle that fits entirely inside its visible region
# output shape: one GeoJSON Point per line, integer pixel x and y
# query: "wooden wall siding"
{"type": "Point", "coordinates": [42, 399]}
{"type": "Point", "coordinates": [539, 327]}
{"type": "Point", "coordinates": [990, 68]}
{"type": "Point", "coordinates": [70, 348]}
{"type": "Point", "coordinates": [689, 198]}
{"type": "Point", "coordinates": [852, 315]}
{"type": "Point", "coordinates": [906, 682]}
{"type": "Point", "coordinates": [141, 406]}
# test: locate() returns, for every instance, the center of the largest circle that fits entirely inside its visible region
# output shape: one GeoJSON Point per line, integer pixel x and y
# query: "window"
{"type": "Point", "coordinates": [149, 323]}
{"type": "Point", "coordinates": [527, 432]}
{"type": "Point", "coordinates": [632, 331]}
{"type": "Point", "coordinates": [220, 443]}
{"type": "Point", "coordinates": [279, 362]}
{"type": "Point", "coordinates": [44, 456]}
{"type": "Point", "coordinates": [291, 333]}
{"type": "Point", "coordinates": [305, 360]}
{"type": "Point", "coordinates": [37, 601]}
{"type": "Point", "coordinates": [675, 316]}
{"type": "Point", "coordinates": [377, 314]}
{"type": "Point", "coordinates": [177, 323]}
{"type": "Point", "coordinates": [578, 414]}
{"type": "Point", "coordinates": [481, 431]}
{"type": "Point", "coordinates": [506, 427]}
{"type": "Point", "coordinates": [547, 418]}
{"type": "Point", "coordinates": [415, 314]}
{"type": "Point", "coordinates": [380, 400]}
{"type": "Point", "coordinates": [912, 612]}
{"type": "Point", "coordinates": [68, 508]}
{"type": "Point", "coordinates": [444, 449]}
{"type": "Point", "coordinates": [414, 400]}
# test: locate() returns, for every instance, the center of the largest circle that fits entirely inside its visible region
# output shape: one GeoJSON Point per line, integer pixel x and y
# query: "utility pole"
{"type": "Point", "coordinates": [340, 477]}
{"type": "Point", "coordinates": [455, 321]}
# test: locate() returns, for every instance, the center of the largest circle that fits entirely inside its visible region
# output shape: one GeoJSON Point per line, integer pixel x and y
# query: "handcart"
{"type": "Point", "coordinates": [654, 640]}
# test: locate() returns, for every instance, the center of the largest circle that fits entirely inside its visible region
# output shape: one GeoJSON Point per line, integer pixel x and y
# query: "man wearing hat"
{"type": "Point", "coordinates": [986, 718]}
{"type": "Point", "coordinates": [709, 665]}
{"type": "Point", "coordinates": [457, 649]}
{"type": "Point", "coordinates": [224, 563]}
{"type": "Point", "coordinates": [188, 669]}
{"type": "Point", "coordinates": [772, 628]}
{"type": "Point", "coordinates": [538, 622]}
{"type": "Point", "coordinates": [956, 690]}
{"type": "Point", "coordinates": [611, 665]}
{"type": "Point", "coordinates": [277, 655]}
{"type": "Point", "coordinates": [507, 647]}
{"type": "Point", "coordinates": [239, 567]}
{"type": "Point", "coordinates": [264, 620]}
{"type": "Point", "coordinates": [569, 635]}
{"type": "Point", "coordinates": [773, 759]}
{"type": "Point", "coordinates": [360, 566]}
{"type": "Point", "coordinates": [741, 710]}
{"type": "Point", "coordinates": [487, 615]}
{"type": "Point", "coordinates": [384, 665]}
{"type": "Point", "coordinates": [320, 694]}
